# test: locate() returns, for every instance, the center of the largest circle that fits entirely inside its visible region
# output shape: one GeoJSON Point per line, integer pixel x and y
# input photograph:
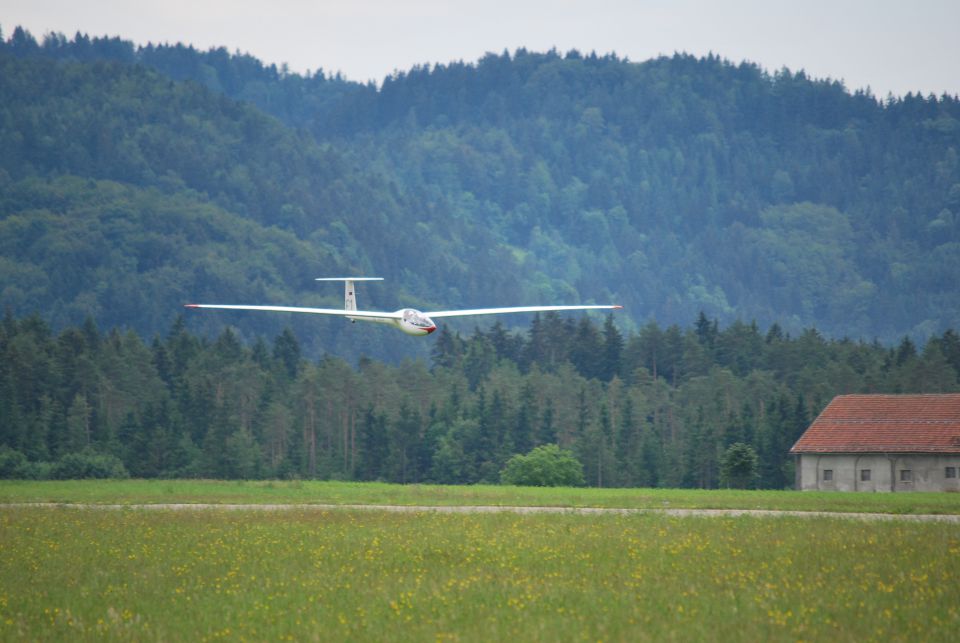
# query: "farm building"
{"type": "Point", "coordinates": [882, 443]}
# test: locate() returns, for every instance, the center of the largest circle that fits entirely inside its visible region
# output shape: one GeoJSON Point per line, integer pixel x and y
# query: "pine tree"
{"type": "Point", "coordinates": [706, 330]}
{"type": "Point", "coordinates": [447, 351]}
{"type": "Point", "coordinates": [79, 429]}
{"type": "Point", "coordinates": [373, 445]}
{"type": "Point", "coordinates": [739, 467]}
{"type": "Point", "coordinates": [522, 434]}
{"type": "Point", "coordinates": [286, 349]}
{"type": "Point", "coordinates": [547, 432]}
{"type": "Point", "coordinates": [241, 457]}
{"type": "Point", "coordinates": [402, 435]}
{"type": "Point", "coordinates": [586, 351]}
{"type": "Point", "coordinates": [612, 350]}
{"type": "Point", "coordinates": [628, 450]}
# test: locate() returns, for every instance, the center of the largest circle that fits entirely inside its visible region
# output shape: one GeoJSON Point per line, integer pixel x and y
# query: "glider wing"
{"type": "Point", "coordinates": [516, 309]}
{"type": "Point", "coordinates": [367, 314]}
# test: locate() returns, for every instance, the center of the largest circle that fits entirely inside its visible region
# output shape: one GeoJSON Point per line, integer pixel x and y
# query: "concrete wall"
{"type": "Point", "coordinates": [927, 472]}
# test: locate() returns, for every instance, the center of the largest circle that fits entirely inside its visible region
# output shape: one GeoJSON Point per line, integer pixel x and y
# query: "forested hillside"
{"type": "Point", "coordinates": [134, 179]}
{"type": "Point", "coordinates": [659, 407]}
{"type": "Point", "coordinates": [273, 207]}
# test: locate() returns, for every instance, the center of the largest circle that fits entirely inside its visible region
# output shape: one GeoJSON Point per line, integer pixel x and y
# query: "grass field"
{"type": "Point", "coordinates": [80, 574]}
{"type": "Point", "coordinates": [179, 491]}
{"type": "Point", "coordinates": [69, 573]}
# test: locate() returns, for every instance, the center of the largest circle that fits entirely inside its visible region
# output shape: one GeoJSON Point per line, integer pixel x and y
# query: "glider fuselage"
{"type": "Point", "coordinates": [411, 322]}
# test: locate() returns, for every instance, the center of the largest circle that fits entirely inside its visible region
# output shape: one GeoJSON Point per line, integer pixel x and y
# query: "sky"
{"type": "Point", "coordinates": [889, 46]}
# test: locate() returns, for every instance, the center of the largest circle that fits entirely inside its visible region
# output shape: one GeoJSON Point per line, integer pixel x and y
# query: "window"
{"type": "Point", "coordinates": [950, 472]}
{"type": "Point", "coordinates": [416, 318]}
{"type": "Point", "coordinates": [864, 475]}
{"type": "Point", "coordinates": [827, 475]}
{"type": "Point", "coordinates": [906, 475]}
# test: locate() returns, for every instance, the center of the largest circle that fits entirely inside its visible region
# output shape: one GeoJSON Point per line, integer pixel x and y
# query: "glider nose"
{"type": "Point", "coordinates": [430, 329]}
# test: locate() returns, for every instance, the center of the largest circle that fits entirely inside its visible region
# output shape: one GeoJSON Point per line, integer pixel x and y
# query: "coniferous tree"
{"type": "Point", "coordinates": [79, 425]}
{"type": "Point", "coordinates": [522, 435]}
{"type": "Point", "coordinates": [739, 467]}
{"type": "Point", "coordinates": [373, 445]}
{"type": "Point", "coordinates": [447, 351]}
{"type": "Point", "coordinates": [587, 350]}
{"type": "Point", "coordinates": [402, 435]}
{"type": "Point", "coordinates": [241, 456]}
{"type": "Point", "coordinates": [286, 349]}
{"type": "Point", "coordinates": [612, 350]}
{"type": "Point", "coordinates": [547, 432]}
{"type": "Point", "coordinates": [706, 330]}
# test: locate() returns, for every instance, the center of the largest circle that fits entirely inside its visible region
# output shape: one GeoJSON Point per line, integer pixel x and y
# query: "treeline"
{"type": "Point", "coordinates": [654, 408]}
{"type": "Point", "coordinates": [294, 98]}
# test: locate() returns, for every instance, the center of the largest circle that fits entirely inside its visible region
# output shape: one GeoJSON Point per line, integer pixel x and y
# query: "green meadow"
{"type": "Point", "coordinates": [309, 573]}
{"type": "Point", "coordinates": [315, 492]}
{"type": "Point", "coordinates": [69, 573]}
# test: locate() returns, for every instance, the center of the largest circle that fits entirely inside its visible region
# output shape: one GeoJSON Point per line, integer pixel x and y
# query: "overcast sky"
{"type": "Point", "coordinates": [892, 46]}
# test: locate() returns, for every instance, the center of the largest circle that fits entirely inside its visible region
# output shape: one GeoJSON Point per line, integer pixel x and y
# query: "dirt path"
{"type": "Point", "coordinates": [762, 513]}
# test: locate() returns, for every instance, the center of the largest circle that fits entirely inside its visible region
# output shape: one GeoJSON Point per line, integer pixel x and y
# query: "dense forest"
{"type": "Point", "coordinates": [658, 407]}
{"type": "Point", "coordinates": [135, 179]}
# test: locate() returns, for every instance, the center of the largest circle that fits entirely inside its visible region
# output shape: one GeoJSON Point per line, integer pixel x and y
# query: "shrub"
{"type": "Point", "coordinates": [36, 471]}
{"type": "Point", "coordinates": [88, 464]}
{"type": "Point", "coordinates": [545, 466]}
{"type": "Point", "coordinates": [12, 463]}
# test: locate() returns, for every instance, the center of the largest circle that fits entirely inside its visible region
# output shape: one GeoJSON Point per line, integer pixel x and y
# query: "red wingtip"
{"type": "Point", "coordinates": [618, 307]}
{"type": "Point", "coordinates": [191, 306]}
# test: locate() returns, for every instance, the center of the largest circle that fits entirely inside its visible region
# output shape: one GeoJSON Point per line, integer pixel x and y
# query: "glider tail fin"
{"type": "Point", "coordinates": [349, 291]}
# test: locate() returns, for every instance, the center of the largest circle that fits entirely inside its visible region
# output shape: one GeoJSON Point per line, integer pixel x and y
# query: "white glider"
{"type": "Point", "coordinates": [410, 321]}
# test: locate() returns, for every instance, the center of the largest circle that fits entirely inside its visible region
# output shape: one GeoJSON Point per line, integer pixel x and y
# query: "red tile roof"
{"type": "Point", "coordinates": [885, 424]}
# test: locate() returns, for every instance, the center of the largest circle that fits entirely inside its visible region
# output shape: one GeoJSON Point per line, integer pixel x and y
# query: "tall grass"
{"type": "Point", "coordinates": [76, 574]}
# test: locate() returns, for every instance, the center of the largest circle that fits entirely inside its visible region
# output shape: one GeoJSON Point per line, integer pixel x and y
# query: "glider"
{"type": "Point", "coordinates": [410, 321]}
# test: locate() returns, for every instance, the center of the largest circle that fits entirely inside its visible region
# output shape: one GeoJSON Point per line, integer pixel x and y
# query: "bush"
{"type": "Point", "coordinates": [12, 464]}
{"type": "Point", "coordinates": [36, 471]}
{"type": "Point", "coordinates": [545, 466]}
{"type": "Point", "coordinates": [88, 464]}
{"type": "Point", "coordinates": [15, 466]}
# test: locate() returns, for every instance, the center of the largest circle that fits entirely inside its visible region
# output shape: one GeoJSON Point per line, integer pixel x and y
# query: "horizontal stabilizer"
{"type": "Point", "coordinates": [349, 279]}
